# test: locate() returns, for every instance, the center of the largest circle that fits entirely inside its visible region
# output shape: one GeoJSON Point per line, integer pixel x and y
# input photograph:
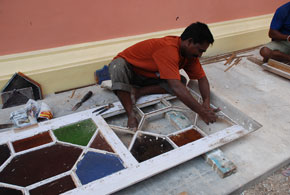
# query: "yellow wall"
{"type": "Point", "coordinates": [72, 66]}
{"type": "Point", "coordinates": [61, 43]}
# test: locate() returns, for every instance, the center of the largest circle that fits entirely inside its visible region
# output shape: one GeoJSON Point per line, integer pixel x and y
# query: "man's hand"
{"type": "Point", "coordinates": [206, 105]}
{"type": "Point", "coordinates": [208, 115]}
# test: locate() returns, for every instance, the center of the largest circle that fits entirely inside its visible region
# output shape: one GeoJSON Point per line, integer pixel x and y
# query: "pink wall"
{"type": "Point", "coordinates": [27, 25]}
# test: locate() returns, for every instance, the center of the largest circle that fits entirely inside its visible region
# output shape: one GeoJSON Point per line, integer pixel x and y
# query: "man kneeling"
{"type": "Point", "coordinates": [152, 67]}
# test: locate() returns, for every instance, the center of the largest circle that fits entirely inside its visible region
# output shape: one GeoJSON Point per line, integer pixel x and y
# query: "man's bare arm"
{"type": "Point", "coordinates": [204, 91]}
{"type": "Point", "coordinates": [184, 95]}
{"type": "Point", "coordinates": [277, 36]}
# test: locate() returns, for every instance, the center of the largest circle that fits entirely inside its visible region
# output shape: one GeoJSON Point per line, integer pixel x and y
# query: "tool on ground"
{"type": "Point", "coordinates": [103, 109]}
{"type": "Point", "coordinates": [85, 98]}
{"type": "Point", "coordinates": [8, 125]}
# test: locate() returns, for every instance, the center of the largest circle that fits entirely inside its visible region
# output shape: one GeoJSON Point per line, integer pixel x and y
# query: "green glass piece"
{"type": "Point", "coordinates": [78, 133]}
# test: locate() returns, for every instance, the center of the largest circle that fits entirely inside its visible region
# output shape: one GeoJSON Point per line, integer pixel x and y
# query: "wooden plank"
{"type": "Point", "coordinates": [279, 65]}
{"type": "Point", "coordinates": [222, 57]}
{"type": "Point", "coordinates": [235, 63]}
{"type": "Point", "coordinates": [230, 59]}
{"type": "Point", "coordinates": [277, 68]}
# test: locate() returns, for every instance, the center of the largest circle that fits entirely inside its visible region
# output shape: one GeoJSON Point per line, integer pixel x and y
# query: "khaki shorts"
{"type": "Point", "coordinates": [283, 46]}
{"type": "Point", "coordinates": [124, 78]}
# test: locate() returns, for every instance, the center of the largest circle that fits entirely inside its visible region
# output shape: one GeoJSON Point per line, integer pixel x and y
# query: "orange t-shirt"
{"type": "Point", "coordinates": [160, 57]}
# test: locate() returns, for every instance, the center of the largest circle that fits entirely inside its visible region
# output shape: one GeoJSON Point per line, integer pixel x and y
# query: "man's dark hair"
{"type": "Point", "coordinates": [199, 32]}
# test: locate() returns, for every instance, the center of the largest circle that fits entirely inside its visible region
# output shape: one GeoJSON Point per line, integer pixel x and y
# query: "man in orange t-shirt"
{"type": "Point", "coordinates": [152, 67]}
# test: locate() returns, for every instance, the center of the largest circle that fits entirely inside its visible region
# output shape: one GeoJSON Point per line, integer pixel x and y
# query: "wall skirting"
{"type": "Point", "coordinates": [72, 66]}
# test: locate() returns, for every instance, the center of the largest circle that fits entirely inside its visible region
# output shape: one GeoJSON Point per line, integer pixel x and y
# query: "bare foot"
{"type": "Point", "coordinates": [132, 122]}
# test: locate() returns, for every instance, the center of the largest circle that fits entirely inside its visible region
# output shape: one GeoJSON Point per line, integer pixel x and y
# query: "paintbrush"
{"type": "Point", "coordinates": [85, 98]}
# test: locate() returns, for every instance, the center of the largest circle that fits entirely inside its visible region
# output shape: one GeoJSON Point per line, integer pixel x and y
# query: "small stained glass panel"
{"type": "Point", "coordinates": [147, 146]}
{"type": "Point", "coordinates": [97, 165]}
{"type": "Point", "coordinates": [35, 166]}
{"type": "Point", "coordinates": [158, 124]}
{"type": "Point", "coordinates": [118, 120]}
{"type": "Point", "coordinates": [79, 133]}
{"type": "Point", "coordinates": [55, 187]}
{"type": "Point", "coordinates": [186, 137]}
{"type": "Point", "coordinates": [153, 107]}
{"type": "Point", "coordinates": [125, 137]}
{"type": "Point", "coordinates": [9, 191]}
{"type": "Point", "coordinates": [220, 124]}
{"type": "Point", "coordinates": [101, 143]}
{"type": "Point", "coordinates": [31, 142]}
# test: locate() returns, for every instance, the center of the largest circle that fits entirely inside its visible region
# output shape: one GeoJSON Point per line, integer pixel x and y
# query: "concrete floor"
{"type": "Point", "coordinates": [260, 94]}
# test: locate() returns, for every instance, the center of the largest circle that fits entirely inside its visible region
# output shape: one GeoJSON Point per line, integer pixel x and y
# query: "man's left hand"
{"type": "Point", "coordinates": [207, 106]}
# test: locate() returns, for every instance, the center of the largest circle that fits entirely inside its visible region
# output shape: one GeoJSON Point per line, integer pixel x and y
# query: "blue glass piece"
{"type": "Point", "coordinates": [97, 165]}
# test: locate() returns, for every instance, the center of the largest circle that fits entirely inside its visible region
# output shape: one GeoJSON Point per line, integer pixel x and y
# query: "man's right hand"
{"type": "Point", "coordinates": [208, 115]}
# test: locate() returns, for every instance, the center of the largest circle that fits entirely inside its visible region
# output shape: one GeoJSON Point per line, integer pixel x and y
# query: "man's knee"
{"type": "Point", "coordinates": [121, 75]}
{"type": "Point", "coordinates": [117, 65]}
{"type": "Point", "coordinates": [120, 70]}
{"type": "Point", "coordinates": [265, 52]}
